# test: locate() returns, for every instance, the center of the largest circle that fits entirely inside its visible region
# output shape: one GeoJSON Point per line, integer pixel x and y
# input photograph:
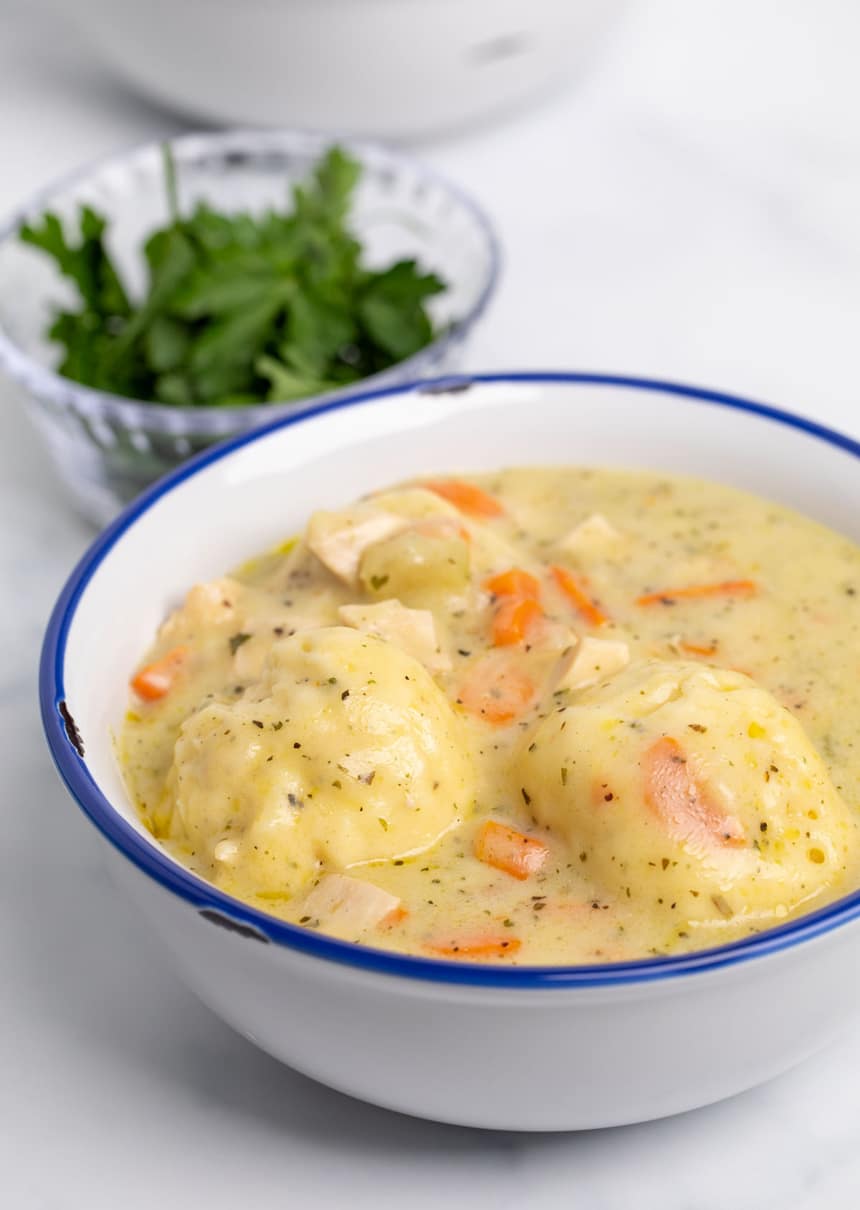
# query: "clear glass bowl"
{"type": "Point", "coordinates": [107, 448]}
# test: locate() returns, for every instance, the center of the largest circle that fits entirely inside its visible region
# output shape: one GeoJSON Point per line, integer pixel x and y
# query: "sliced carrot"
{"type": "Point", "coordinates": [395, 916]}
{"type": "Point", "coordinates": [519, 609]}
{"type": "Point", "coordinates": [466, 496]}
{"type": "Point", "coordinates": [682, 804]}
{"type": "Point", "coordinates": [157, 678]}
{"type": "Point", "coordinates": [496, 691]}
{"type": "Point", "coordinates": [513, 583]}
{"type": "Point", "coordinates": [513, 620]}
{"type": "Point", "coordinates": [506, 849]}
{"type": "Point", "coordinates": [578, 597]}
{"type": "Point", "coordinates": [484, 945]}
{"type": "Point", "coordinates": [693, 592]}
{"type": "Point", "coordinates": [698, 648]}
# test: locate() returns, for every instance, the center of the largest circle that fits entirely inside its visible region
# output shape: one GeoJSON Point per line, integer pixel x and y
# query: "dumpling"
{"type": "Point", "coordinates": [440, 552]}
{"type": "Point", "coordinates": [430, 556]}
{"type": "Point", "coordinates": [346, 752]}
{"type": "Point", "coordinates": [689, 791]}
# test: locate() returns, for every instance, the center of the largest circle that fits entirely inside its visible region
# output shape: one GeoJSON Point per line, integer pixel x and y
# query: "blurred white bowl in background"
{"type": "Point", "coordinates": [396, 68]}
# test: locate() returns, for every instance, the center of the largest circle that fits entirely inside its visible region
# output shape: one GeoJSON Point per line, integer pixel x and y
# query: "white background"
{"type": "Point", "coordinates": [690, 210]}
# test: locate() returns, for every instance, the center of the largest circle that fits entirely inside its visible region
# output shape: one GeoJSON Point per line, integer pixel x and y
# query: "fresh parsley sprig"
{"type": "Point", "coordinates": [239, 308]}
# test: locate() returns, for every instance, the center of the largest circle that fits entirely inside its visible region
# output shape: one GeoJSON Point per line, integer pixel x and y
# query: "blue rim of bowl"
{"type": "Point", "coordinates": [43, 380]}
{"type": "Point", "coordinates": [226, 910]}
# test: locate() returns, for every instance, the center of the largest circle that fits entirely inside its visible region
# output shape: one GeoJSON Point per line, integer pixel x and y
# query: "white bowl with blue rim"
{"type": "Point", "coordinates": [523, 1048]}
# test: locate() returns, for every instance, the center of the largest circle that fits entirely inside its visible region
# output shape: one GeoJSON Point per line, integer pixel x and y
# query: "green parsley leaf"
{"type": "Point", "coordinates": [238, 308]}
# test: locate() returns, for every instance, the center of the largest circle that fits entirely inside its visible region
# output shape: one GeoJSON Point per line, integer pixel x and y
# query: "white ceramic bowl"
{"type": "Point", "coordinates": [384, 67]}
{"type": "Point", "coordinates": [540, 1048]}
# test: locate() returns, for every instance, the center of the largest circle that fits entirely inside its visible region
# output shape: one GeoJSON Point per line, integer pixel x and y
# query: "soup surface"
{"type": "Point", "coordinates": [542, 716]}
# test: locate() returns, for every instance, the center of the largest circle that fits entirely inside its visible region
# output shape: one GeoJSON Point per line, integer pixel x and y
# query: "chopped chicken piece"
{"type": "Point", "coordinates": [594, 536]}
{"type": "Point", "coordinates": [226, 850]}
{"type": "Point", "coordinates": [412, 630]}
{"type": "Point", "coordinates": [340, 539]}
{"type": "Point", "coordinates": [347, 906]}
{"type": "Point", "coordinates": [251, 653]}
{"type": "Point", "coordinates": [204, 605]}
{"type": "Point", "coordinates": [593, 660]}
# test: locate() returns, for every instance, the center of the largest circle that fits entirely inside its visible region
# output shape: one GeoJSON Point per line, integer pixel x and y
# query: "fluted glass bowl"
{"type": "Point", "coordinates": [107, 448]}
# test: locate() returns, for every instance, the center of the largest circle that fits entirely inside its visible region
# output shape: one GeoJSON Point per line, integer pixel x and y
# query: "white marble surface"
{"type": "Point", "coordinates": [691, 210]}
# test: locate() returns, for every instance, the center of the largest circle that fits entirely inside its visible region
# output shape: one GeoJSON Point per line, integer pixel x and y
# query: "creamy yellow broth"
{"type": "Point", "coordinates": [648, 747]}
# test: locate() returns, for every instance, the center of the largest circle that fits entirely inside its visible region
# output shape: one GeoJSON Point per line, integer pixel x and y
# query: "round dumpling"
{"type": "Point", "coordinates": [688, 791]}
{"type": "Point", "coordinates": [345, 753]}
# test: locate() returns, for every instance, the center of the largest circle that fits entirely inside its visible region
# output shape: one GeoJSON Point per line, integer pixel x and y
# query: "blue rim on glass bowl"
{"type": "Point", "coordinates": [107, 448]}
{"type": "Point", "coordinates": [204, 896]}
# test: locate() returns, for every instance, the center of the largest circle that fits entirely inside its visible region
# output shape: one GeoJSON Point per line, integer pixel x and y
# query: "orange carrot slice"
{"type": "Point", "coordinates": [395, 916]}
{"type": "Point", "coordinates": [156, 679]}
{"type": "Point", "coordinates": [682, 805]}
{"type": "Point", "coordinates": [698, 648]}
{"type": "Point", "coordinates": [513, 583]}
{"type": "Point", "coordinates": [485, 945]}
{"type": "Point", "coordinates": [693, 592]}
{"type": "Point", "coordinates": [578, 597]}
{"type": "Point", "coordinates": [506, 849]}
{"type": "Point", "coordinates": [497, 692]}
{"type": "Point", "coordinates": [468, 497]}
{"type": "Point", "coordinates": [513, 620]}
